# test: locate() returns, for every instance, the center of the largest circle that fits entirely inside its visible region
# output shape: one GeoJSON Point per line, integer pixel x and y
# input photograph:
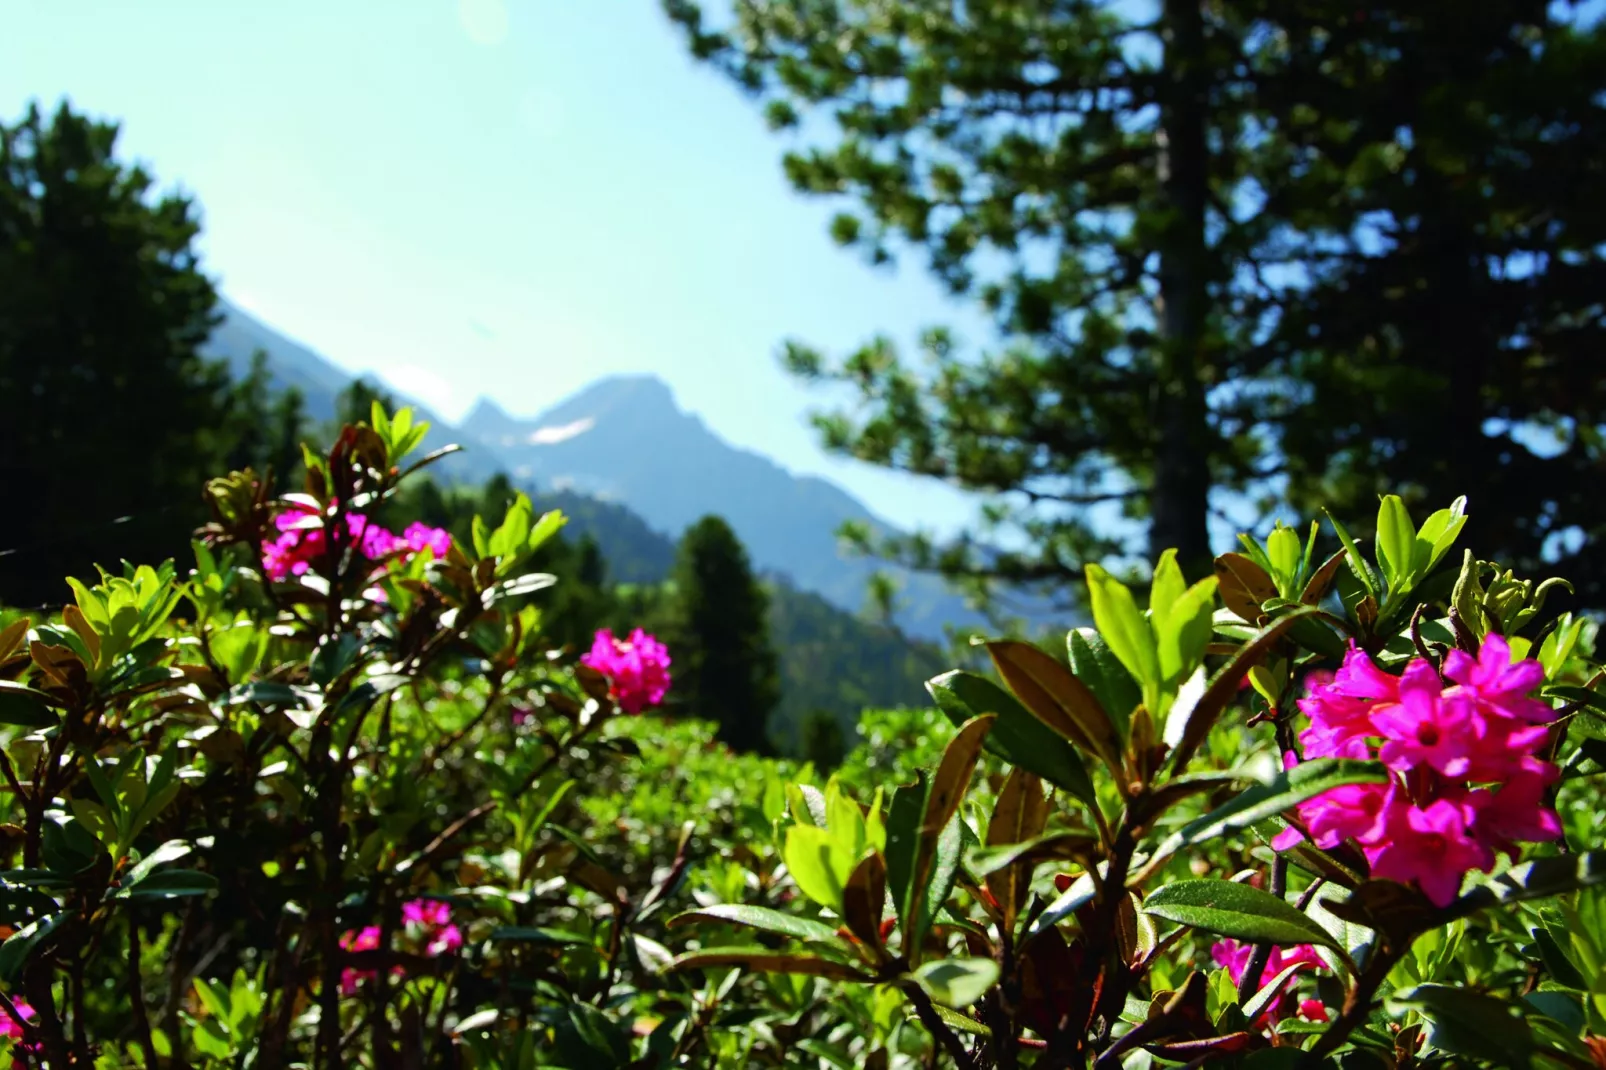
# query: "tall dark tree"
{"type": "Point", "coordinates": [107, 411]}
{"type": "Point", "coordinates": [1144, 198]}
{"type": "Point", "coordinates": [265, 428]}
{"type": "Point", "coordinates": [1455, 243]}
{"type": "Point", "coordinates": [725, 668]}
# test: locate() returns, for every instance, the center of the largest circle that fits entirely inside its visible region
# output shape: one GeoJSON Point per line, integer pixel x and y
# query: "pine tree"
{"type": "Point", "coordinates": [724, 667]}
{"type": "Point", "coordinates": [110, 420]}
{"type": "Point", "coordinates": [1167, 211]}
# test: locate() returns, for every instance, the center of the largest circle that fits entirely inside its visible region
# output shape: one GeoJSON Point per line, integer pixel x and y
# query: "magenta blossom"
{"type": "Point", "coordinates": [1234, 957]}
{"type": "Point", "coordinates": [1353, 811]}
{"type": "Point", "coordinates": [1433, 846]}
{"type": "Point", "coordinates": [420, 537]}
{"type": "Point", "coordinates": [637, 669]}
{"type": "Point", "coordinates": [365, 940]}
{"type": "Point", "coordinates": [426, 912]}
{"type": "Point", "coordinates": [1466, 781]}
{"type": "Point", "coordinates": [303, 539]}
{"type": "Point", "coordinates": [1498, 684]}
{"type": "Point", "coordinates": [11, 1027]}
{"type": "Point", "coordinates": [434, 918]}
{"type": "Point", "coordinates": [1425, 727]}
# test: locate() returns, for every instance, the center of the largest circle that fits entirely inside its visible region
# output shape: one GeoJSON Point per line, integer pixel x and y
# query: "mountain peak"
{"type": "Point", "coordinates": [640, 393]}
{"type": "Point", "coordinates": [488, 419]}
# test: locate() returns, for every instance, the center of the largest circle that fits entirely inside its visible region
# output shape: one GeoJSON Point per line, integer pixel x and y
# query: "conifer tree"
{"type": "Point", "coordinates": [725, 668]}
{"type": "Point", "coordinates": [1294, 249]}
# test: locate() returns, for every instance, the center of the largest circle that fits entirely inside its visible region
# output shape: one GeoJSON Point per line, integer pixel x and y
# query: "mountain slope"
{"type": "Point", "coordinates": [290, 364]}
{"type": "Point", "coordinates": [625, 439]}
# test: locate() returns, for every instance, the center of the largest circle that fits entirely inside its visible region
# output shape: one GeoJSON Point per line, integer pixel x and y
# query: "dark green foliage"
{"type": "Point", "coordinates": [725, 668]}
{"type": "Point", "coordinates": [1454, 237]}
{"type": "Point", "coordinates": [109, 421]}
{"type": "Point", "coordinates": [267, 429]}
{"type": "Point", "coordinates": [1226, 243]}
{"type": "Point", "coordinates": [833, 661]}
{"type": "Point", "coordinates": [823, 741]}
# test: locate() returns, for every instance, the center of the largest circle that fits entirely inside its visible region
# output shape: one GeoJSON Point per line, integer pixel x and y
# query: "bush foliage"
{"type": "Point", "coordinates": [343, 805]}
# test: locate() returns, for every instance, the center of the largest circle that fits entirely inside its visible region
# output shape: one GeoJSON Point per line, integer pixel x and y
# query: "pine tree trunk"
{"type": "Point", "coordinates": [1180, 496]}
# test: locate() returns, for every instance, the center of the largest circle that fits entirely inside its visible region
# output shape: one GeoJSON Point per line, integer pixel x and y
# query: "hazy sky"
{"type": "Point", "coordinates": [486, 197]}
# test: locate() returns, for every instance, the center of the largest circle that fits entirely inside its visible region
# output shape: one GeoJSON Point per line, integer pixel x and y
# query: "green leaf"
{"type": "Point", "coordinates": [1283, 792]}
{"type": "Point", "coordinates": [1362, 571]}
{"type": "Point", "coordinates": [25, 707]}
{"type": "Point", "coordinates": [763, 960]}
{"type": "Point", "coordinates": [1239, 911]}
{"type": "Point", "coordinates": [1096, 665]}
{"type": "Point", "coordinates": [1470, 1024]}
{"type": "Point", "coordinates": [1223, 687]}
{"type": "Point", "coordinates": [1396, 541]}
{"type": "Point", "coordinates": [944, 874]}
{"type": "Point", "coordinates": [592, 1041]}
{"type": "Point", "coordinates": [1539, 879]}
{"type": "Point", "coordinates": [957, 983]}
{"type": "Point", "coordinates": [936, 856]}
{"type": "Point", "coordinates": [529, 934]}
{"type": "Point", "coordinates": [954, 1020]}
{"type": "Point", "coordinates": [1183, 631]}
{"type": "Point", "coordinates": [1016, 736]}
{"type": "Point", "coordinates": [1057, 698]}
{"type": "Point", "coordinates": [1123, 627]}
{"type": "Point", "coordinates": [904, 815]}
{"type": "Point", "coordinates": [1562, 970]}
{"type": "Point", "coordinates": [1167, 585]}
{"type": "Point", "coordinates": [1270, 990]}
{"type": "Point", "coordinates": [170, 884]}
{"type": "Point", "coordinates": [762, 918]}
{"type": "Point", "coordinates": [20, 944]}
{"type": "Point", "coordinates": [1437, 535]}
{"type": "Point", "coordinates": [819, 862]}
{"type": "Point", "coordinates": [1052, 845]}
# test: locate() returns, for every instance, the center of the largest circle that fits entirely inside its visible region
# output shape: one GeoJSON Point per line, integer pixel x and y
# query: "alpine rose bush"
{"type": "Point", "coordinates": [303, 540]}
{"type": "Point", "coordinates": [1467, 782]}
{"type": "Point", "coordinates": [637, 668]}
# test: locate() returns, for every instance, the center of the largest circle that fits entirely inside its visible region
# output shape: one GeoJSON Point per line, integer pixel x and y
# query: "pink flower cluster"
{"type": "Point", "coordinates": [1466, 781]}
{"type": "Point", "coordinates": [1234, 958]}
{"type": "Point", "coordinates": [302, 540]}
{"type": "Point", "coordinates": [428, 923]}
{"type": "Point", "coordinates": [637, 668]}
{"type": "Point", "coordinates": [9, 1026]}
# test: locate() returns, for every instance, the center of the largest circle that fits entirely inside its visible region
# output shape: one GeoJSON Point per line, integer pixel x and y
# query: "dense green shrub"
{"type": "Point", "coordinates": [330, 800]}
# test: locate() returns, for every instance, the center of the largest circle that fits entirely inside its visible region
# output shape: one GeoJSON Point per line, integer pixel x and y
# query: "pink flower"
{"type": "Point", "coordinates": [1497, 683]}
{"type": "Point", "coordinates": [1516, 810]}
{"type": "Point", "coordinates": [11, 1027]}
{"type": "Point", "coordinates": [1424, 728]}
{"type": "Point", "coordinates": [1234, 957]}
{"type": "Point", "coordinates": [374, 541]}
{"type": "Point", "coordinates": [446, 938]}
{"type": "Point", "coordinates": [426, 912]}
{"type": "Point", "coordinates": [435, 918]}
{"type": "Point", "coordinates": [1432, 823]}
{"type": "Point", "coordinates": [1354, 811]}
{"type": "Point", "coordinates": [1339, 721]}
{"type": "Point", "coordinates": [1312, 1010]}
{"type": "Point", "coordinates": [420, 537]}
{"type": "Point", "coordinates": [302, 540]}
{"type": "Point", "coordinates": [365, 940]}
{"type": "Point", "coordinates": [637, 669]}
{"type": "Point", "coordinates": [1432, 846]}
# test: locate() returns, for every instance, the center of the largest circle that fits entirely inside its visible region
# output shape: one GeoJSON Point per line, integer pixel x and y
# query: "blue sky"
{"type": "Point", "coordinates": [499, 197]}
